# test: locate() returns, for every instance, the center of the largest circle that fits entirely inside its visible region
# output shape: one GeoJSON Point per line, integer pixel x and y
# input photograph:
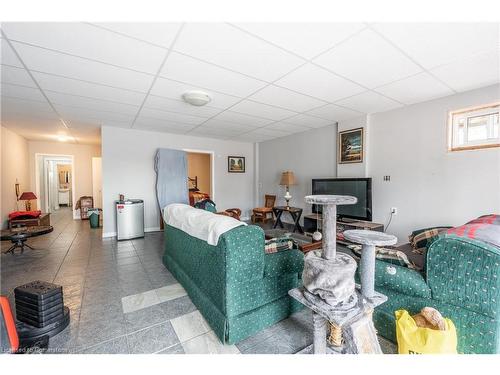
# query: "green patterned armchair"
{"type": "Point", "coordinates": [236, 286]}
{"type": "Point", "coordinates": [461, 280]}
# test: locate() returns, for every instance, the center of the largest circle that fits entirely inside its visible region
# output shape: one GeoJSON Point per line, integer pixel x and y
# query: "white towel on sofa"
{"type": "Point", "coordinates": [198, 223]}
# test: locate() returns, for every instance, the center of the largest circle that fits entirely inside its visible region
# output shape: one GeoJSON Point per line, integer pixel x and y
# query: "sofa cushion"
{"type": "Point", "coordinates": [401, 279]}
{"type": "Point", "coordinates": [283, 262]}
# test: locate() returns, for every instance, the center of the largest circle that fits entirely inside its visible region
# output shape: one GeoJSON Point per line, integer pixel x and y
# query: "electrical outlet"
{"type": "Point", "coordinates": [394, 210]}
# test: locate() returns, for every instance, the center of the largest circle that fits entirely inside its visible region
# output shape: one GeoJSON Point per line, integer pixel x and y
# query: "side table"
{"type": "Point", "coordinates": [295, 213]}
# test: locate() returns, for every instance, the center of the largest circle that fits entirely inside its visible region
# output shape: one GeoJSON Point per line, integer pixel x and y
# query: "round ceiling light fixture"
{"type": "Point", "coordinates": [197, 98]}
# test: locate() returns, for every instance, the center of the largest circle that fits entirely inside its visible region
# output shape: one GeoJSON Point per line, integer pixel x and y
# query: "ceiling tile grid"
{"type": "Point", "coordinates": [265, 80]}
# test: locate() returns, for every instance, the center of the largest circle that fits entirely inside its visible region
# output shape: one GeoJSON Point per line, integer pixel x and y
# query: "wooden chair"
{"type": "Point", "coordinates": [261, 213]}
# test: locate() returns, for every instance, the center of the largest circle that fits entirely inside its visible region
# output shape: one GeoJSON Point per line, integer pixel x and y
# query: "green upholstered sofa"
{"type": "Point", "coordinates": [236, 286]}
{"type": "Point", "coordinates": [461, 280]}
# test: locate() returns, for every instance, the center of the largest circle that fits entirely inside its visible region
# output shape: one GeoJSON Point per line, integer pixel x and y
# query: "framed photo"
{"type": "Point", "coordinates": [236, 164]}
{"type": "Point", "coordinates": [351, 147]}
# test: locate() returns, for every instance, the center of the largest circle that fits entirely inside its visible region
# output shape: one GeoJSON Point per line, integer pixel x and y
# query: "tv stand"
{"type": "Point", "coordinates": [313, 221]}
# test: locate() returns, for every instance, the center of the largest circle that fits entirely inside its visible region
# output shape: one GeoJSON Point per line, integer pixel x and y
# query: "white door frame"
{"type": "Point", "coordinates": [73, 177]}
{"type": "Point", "coordinates": [212, 168]}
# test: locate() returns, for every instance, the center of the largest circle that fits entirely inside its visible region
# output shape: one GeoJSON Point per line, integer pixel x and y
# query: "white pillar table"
{"type": "Point", "coordinates": [330, 292]}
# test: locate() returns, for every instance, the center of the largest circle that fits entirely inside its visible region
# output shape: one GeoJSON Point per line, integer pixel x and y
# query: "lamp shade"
{"type": "Point", "coordinates": [27, 195]}
{"type": "Point", "coordinates": [287, 178]}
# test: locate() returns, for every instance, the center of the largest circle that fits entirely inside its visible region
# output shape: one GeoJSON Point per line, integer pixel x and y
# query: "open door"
{"type": "Point", "coordinates": [97, 181]}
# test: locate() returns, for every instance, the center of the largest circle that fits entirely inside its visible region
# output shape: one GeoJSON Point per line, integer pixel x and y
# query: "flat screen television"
{"type": "Point", "coordinates": [360, 188]}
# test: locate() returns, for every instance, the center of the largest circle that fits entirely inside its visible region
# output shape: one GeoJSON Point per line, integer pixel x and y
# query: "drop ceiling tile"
{"type": "Point", "coordinates": [467, 74]}
{"type": "Point", "coordinates": [314, 81]}
{"type": "Point", "coordinates": [262, 110]}
{"type": "Point", "coordinates": [160, 33]}
{"type": "Point", "coordinates": [41, 60]}
{"type": "Point", "coordinates": [50, 82]}
{"type": "Point", "coordinates": [224, 125]}
{"type": "Point", "coordinates": [36, 129]}
{"type": "Point", "coordinates": [59, 99]}
{"type": "Point", "coordinates": [8, 56]}
{"type": "Point", "coordinates": [417, 88]}
{"type": "Point", "coordinates": [22, 92]}
{"type": "Point", "coordinates": [334, 113]}
{"type": "Point", "coordinates": [186, 69]}
{"type": "Point", "coordinates": [88, 41]}
{"type": "Point", "coordinates": [171, 116]}
{"type": "Point", "coordinates": [215, 132]}
{"type": "Point", "coordinates": [433, 44]}
{"type": "Point", "coordinates": [234, 49]}
{"type": "Point", "coordinates": [308, 121]}
{"type": "Point", "coordinates": [369, 60]}
{"type": "Point", "coordinates": [16, 76]}
{"type": "Point", "coordinates": [25, 106]}
{"type": "Point", "coordinates": [174, 90]}
{"type": "Point", "coordinates": [369, 102]}
{"type": "Point", "coordinates": [153, 124]}
{"type": "Point", "coordinates": [280, 97]}
{"type": "Point", "coordinates": [306, 39]}
{"type": "Point", "coordinates": [242, 119]}
{"type": "Point", "coordinates": [172, 105]}
{"type": "Point", "coordinates": [75, 114]}
{"type": "Point", "coordinates": [289, 128]}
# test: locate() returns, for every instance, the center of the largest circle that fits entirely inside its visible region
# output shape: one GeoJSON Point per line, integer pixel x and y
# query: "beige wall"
{"type": "Point", "coordinates": [199, 165]}
{"type": "Point", "coordinates": [14, 161]}
{"type": "Point", "coordinates": [82, 155]}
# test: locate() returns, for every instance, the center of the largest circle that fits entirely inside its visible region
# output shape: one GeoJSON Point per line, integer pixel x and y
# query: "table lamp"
{"type": "Point", "coordinates": [27, 196]}
{"type": "Point", "coordinates": [287, 179]}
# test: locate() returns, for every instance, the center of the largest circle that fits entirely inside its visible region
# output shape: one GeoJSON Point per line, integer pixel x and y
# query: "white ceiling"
{"type": "Point", "coordinates": [266, 80]}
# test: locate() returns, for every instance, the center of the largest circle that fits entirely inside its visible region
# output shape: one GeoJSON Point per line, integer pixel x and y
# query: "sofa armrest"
{"type": "Point", "coordinates": [244, 253]}
{"type": "Point", "coordinates": [465, 272]}
{"type": "Point", "coordinates": [400, 279]}
{"type": "Point", "coordinates": [283, 262]}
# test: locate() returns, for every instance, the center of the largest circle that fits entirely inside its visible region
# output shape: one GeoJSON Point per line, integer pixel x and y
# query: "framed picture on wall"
{"type": "Point", "coordinates": [351, 147]}
{"type": "Point", "coordinates": [236, 164]}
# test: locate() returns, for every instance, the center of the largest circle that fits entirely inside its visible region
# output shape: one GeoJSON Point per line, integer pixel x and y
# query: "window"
{"type": "Point", "coordinates": [474, 128]}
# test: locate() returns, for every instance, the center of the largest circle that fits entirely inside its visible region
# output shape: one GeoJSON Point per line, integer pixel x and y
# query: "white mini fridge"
{"type": "Point", "coordinates": [129, 219]}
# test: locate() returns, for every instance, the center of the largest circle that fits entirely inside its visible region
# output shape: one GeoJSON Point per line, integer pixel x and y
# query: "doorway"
{"type": "Point", "coordinates": [55, 182]}
{"type": "Point", "coordinates": [200, 175]}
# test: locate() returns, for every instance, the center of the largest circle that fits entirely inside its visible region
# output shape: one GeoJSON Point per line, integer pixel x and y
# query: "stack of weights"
{"type": "Point", "coordinates": [40, 310]}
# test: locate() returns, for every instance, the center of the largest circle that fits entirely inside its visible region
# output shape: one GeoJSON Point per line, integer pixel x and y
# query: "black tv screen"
{"type": "Point", "coordinates": [360, 188]}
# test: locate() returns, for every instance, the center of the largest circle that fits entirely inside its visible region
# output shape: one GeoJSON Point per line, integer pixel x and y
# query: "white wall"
{"type": "Point", "coordinates": [429, 185]}
{"type": "Point", "coordinates": [82, 155]}
{"type": "Point", "coordinates": [15, 165]}
{"type": "Point", "coordinates": [128, 168]}
{"type": "Point", "coordinates": [309, 155]}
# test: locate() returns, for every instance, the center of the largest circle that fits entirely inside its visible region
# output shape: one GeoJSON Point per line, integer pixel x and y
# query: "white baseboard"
{"type": "Point", "coordinates": [113, 234]}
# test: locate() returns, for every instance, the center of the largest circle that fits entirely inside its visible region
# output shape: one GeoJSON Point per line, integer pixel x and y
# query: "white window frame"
{"type": "Point", "coordinates": [466, 114]}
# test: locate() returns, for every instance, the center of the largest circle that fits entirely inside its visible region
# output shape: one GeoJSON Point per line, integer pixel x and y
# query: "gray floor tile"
{"type": "Point", "coordinates": [144, 318]}
{"type": "Point", "coordinates": [176, 349]}
{"type": "Point", "coordinates": [153, 339]}
{"type": "Point", "coordinates": [92, 332]}
{"type": "Point", "coordinates": [177, 307]}
{"type": "Point", "coordinates": [115, 346]}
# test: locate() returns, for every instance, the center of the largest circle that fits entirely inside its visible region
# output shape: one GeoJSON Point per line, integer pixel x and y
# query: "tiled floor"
{"type": "Point", "coordinates": [123, 300]}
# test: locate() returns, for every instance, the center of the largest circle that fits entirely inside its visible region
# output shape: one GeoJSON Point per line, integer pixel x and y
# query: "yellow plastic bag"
{"type": "Point", "coordinates": [417, 340]}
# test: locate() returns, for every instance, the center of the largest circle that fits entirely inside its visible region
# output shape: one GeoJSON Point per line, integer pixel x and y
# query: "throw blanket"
{"type": "Point", "coordinates": [201, 224]}
{"type": "Point", "coordinates": [24, 214]}
{"type": "Point", "coordinates": [485, 228]}
{"type": "Point", "coordinates": [171, 177]}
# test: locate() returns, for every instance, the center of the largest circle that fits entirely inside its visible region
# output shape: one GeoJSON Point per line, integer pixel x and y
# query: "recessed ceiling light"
{"type": "Point", "coordinates": [197, 98]}
{"type": "Point", "coordinates": [62, 138]}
